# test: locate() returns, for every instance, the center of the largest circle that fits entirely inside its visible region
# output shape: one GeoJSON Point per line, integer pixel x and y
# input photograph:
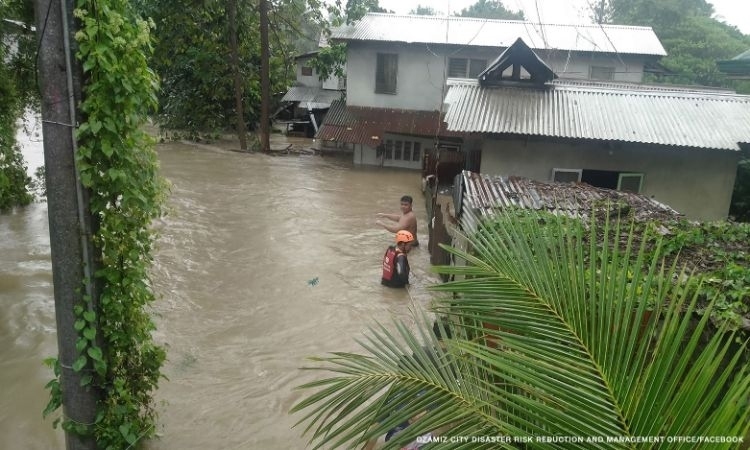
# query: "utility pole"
{"type": "Point", "coordinates": [70, 222]}
{"type": "Point", "coordinates": [234, 48]}
{"type": "Point", "coordinates": [265, 84]}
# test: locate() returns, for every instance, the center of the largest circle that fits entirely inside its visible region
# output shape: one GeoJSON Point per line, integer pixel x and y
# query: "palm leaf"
{"type": "Point", "coordinates": [562, 328]}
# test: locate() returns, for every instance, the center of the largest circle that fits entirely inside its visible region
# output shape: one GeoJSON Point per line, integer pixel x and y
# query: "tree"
{"type": "Point", "coordinates": [559, 329]}
{"type": "Point", "coordinates": [490, 9]}
{"type": "Point", "coordinates": [192, 58]}
{"type": "Point", "coordinates": [423, 11]}
{"type": "Point", "coordinates": [16, 44]}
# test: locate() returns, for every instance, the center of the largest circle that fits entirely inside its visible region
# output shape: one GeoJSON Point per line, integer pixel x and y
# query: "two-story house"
{"type": "Point", "coordinates": [398, 65]}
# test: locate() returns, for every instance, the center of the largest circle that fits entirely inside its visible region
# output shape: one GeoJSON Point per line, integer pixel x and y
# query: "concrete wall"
{"type": "Point", "coordinates": [695, 182]}
{"type": "Point", "coordinates": [422, 69]}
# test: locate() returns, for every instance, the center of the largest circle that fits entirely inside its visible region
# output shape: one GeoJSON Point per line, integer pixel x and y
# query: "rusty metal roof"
{"type": "Point", "coordinates": [626, 113]}
{"type": "Point", "coordinates": [311, 97]}
{"type": "Point", "coordinates": [365, 125]}
{"type": "Point", "coordinates": [463, 31]}
{"type": "Point", "coordinates": [484, 194]}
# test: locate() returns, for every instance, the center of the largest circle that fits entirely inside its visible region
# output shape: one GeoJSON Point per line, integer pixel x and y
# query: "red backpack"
{"type": "Point", "coordinates": [389, 263]}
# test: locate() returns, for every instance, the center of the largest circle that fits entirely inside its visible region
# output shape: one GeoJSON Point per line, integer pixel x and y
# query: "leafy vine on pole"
{"type": "Point", "coordinates": [118, 165]}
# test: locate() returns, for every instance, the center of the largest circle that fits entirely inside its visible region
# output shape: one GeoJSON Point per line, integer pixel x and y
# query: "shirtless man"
{"type": "Point", "coordinates": [404, 221]}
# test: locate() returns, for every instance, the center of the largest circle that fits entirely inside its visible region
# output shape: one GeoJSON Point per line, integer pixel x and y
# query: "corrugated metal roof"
{"type": "Point", "coordinates": [311, 97]}
{"type": "Point", "coordinates": [364, 125]}
{"type": "Point", "coordinates": [501, 33]}
{"type": "Point", "coordinates": [675, 117]}
{"type": "Point", "coordinates": [484, 194]}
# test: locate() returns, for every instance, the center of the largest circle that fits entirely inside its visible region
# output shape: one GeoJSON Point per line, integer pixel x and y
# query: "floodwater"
{"type": "Point", "coordinates": [261, 262]}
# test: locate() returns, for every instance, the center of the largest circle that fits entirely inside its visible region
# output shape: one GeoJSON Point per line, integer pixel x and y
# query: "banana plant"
{"type": "Point", "coordinates": [564, 335]}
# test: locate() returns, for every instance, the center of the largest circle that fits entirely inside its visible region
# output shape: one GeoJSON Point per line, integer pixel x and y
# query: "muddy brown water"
{"type": "Point", "coordinates": [238, 311]}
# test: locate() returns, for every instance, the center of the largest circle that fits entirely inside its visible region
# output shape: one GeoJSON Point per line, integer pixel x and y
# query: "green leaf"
{"type": "Point", "coordinates": [95, 126]}
{"type": "Point", "coordinates": [89, 333]}
{"type": "Point", "coordinates": [79, 324]}
{"type": "Point", "coordinates": [95, 353]}
{"type": "Point", "coordinates": [81, 344]}
{"type": "Point", "coordinates": [86, 380]}
{"type": "Point", "coordinates": [90, 316]}
{"type": "Point", "coordinates": [79, 363]}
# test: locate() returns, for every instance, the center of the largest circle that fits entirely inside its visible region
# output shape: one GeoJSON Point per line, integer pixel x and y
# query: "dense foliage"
{"type": "Point", "coordinates": [192, 57]}
{"type": "Point", "coordinates": [423, 11]}
{"type": "Point", "coordinates": [560, 330]}
{"type": "Point", "coordinates": [694, 41]}
{"type": "Point", "coordinates": [118, 165]}
{"type": "Point", "coordinates": [16, 92]}
{"type": "Point", "coordinates": [720, 252]}
{"type": "Point", "coordinates": [491, 9]}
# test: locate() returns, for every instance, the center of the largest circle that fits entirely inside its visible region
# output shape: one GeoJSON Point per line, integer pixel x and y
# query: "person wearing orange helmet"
{"type": "Point", "coordinates": [395, 262]}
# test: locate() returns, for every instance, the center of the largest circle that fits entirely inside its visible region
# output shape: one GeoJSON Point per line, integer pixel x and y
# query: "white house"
{"type": "Point", "coordinates": [402, 63]}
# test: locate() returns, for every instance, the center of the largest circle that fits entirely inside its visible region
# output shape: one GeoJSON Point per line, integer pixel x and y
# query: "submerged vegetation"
{"type": "Point", "coordinates": [560, 329]}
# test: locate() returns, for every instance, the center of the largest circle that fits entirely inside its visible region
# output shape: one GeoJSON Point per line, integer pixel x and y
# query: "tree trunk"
{"type": "Point", "coordinates": [265, 84]}
{"type": "Point", "coordinates": [232, 9]}
{"type": "Point", "coordinates": [69, 219]}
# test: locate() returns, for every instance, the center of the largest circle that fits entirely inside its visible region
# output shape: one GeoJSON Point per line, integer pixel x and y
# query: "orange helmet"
{"type": "Point", "coordinates": [404, 236]}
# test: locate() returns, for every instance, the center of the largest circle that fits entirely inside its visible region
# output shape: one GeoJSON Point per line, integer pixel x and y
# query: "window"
{"type": "Point", "coordinates": [307, 71]}
{"type": "Point", "coordinates": [385, 73]}
{"type": "Point", "coordinates": [416, 156]}
{"type": "Point", "coordinates": [566, 175]}
{"type": "Point", "coordinates": [465, 68]}
{"type": "Point", "coordinates": [407, 151]}
{"type": "Point", "coordinates": [608, 179]}
{"type": "Point", "coordinates": [602, 73]}
{"type": "Point", "coordinates": [630, 182]}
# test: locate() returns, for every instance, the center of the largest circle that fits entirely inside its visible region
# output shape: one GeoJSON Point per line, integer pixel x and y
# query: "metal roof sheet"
{"type": "Point", "coordinates": [501, 33]}
{"type": "Point", "coordinates": [365, 125]}
{"type": "Point", "coordinates": [668, 116]}
{"type": "Point", "coordinates": [312, 97]}
{"type": "Point", "coordinates": [485, 194]}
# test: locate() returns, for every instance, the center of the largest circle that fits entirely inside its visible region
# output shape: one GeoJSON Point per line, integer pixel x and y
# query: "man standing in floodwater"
{"type": "Point", "coordinates": [404, 221]}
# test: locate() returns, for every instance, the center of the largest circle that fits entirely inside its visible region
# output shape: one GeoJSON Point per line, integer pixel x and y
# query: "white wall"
{"type": "Point", "coordinates": [695, 182]}
{"type": "Point", "coordinates": [422, 69]}
{"type": "Point", "coordinates": [332, 82]}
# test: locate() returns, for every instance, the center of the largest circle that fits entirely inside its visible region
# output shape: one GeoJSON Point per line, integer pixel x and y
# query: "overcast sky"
{"type": "Point", "coordinates": [735, 12]}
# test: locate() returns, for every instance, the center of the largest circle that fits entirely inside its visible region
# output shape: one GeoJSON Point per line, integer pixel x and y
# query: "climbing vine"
{"type": "Point", "coordinates": [118, 165]}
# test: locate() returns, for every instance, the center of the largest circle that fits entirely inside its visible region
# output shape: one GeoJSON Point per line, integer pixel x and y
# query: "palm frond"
{"type": "Point", "coordinates": [561, 328]}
